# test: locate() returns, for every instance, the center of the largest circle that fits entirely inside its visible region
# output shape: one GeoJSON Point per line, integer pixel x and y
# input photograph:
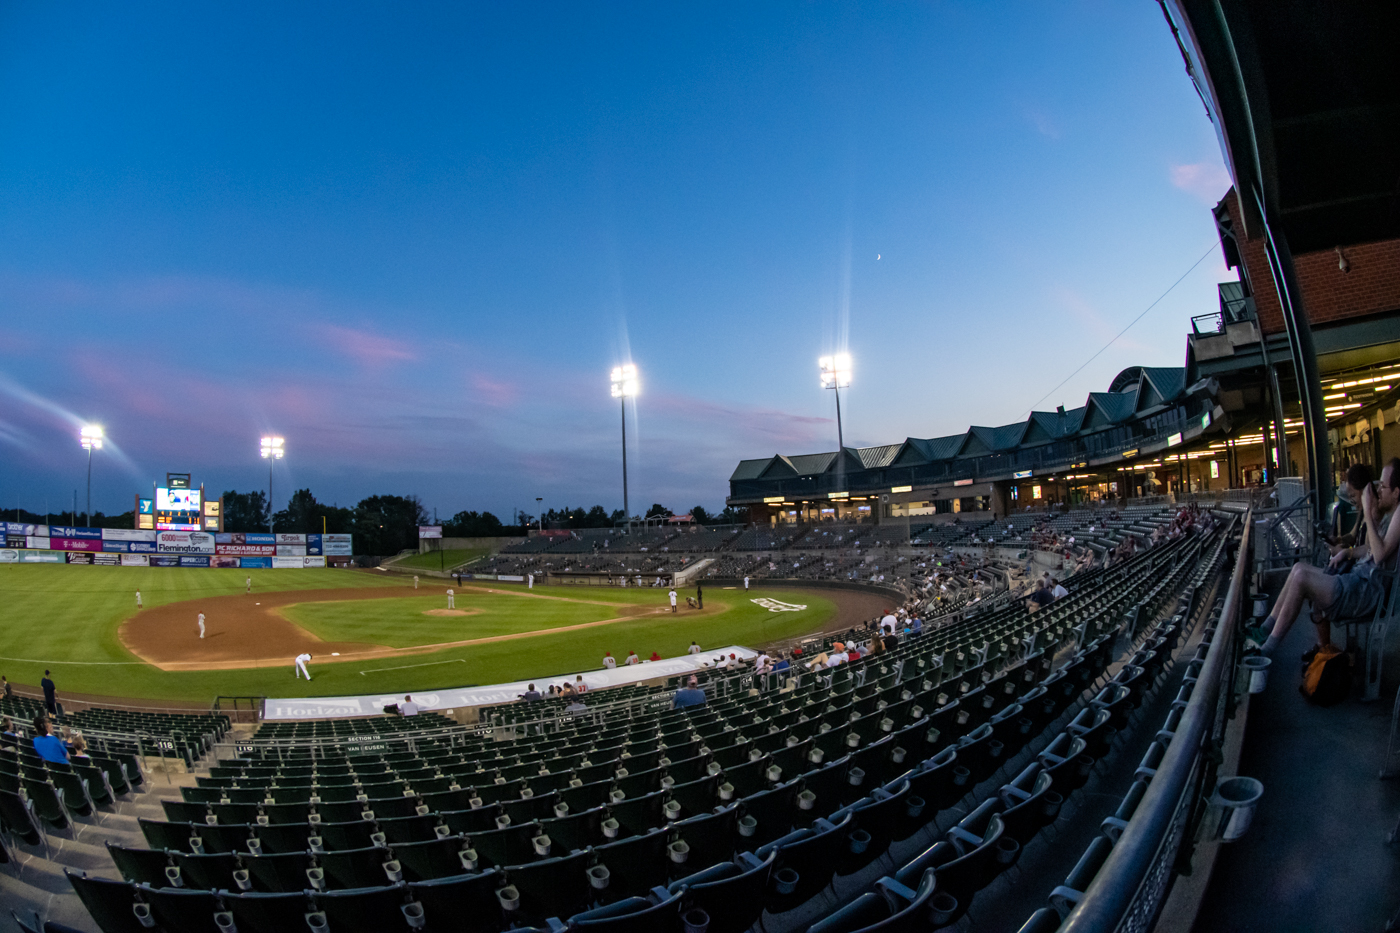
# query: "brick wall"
{"type": "Point", "coordinates": [1372, 285]}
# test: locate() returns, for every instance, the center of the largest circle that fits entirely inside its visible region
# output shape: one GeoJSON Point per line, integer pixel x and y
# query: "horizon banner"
{"type": "Point", "coordinates": [41, 557]}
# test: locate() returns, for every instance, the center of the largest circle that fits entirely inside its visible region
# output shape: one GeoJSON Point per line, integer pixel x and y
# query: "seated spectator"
{"type": "Point", "coordinates": [780, 663]}
{"type": "Point", "coordinates": [1340, 596]}
{"type": "Point", "coordinates": [688, 696]}
{"type": "Point", "coordinates": [567, 691]}
{"type": "Point", "coordinates": [49, 747]}
{"type": "Point", "coordinates": [1058, 590]}
{"type": "Point", "coordinates": [654, 657]}
{"type": "Point", "coordinates": [531, 694]}
{"type": "Point", "coordinates": [916, 626]}
{"type": "Point", "coordinates": [575, 706]}
{"type": "Point", "coordinates": [408, 707]}
{"type": "Point", "coordinates": [80, 748]}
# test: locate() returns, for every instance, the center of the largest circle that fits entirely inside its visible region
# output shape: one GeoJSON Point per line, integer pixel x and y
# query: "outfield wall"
{"type": "Point", "coordinates": [124, 547]}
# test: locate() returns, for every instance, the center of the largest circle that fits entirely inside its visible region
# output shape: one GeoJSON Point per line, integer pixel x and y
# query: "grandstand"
{"type": "Point", "coordinates": [916, 777]}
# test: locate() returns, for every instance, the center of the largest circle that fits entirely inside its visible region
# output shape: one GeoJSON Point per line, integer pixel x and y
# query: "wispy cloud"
{"type": "Point", "coordinates": [1044, 124]}
{"type": "Point", "coordinates": [365, 347]}
{"type": "Point", "coordinates": [1205, 181]}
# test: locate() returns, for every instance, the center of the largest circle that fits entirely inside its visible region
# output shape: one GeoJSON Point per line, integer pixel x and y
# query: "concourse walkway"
{"type": "Point", "coordinates": [1316, 856]}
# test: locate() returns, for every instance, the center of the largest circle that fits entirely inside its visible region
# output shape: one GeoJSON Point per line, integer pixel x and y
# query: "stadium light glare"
{"type": "Point", "coordinates": [90, 436]}
{"type": "Point", "coordinates": [625, 386]}
{"type": "Point", "coordinates": [836, 375]}
{"type": "Point", "coordinates": [272, 449]}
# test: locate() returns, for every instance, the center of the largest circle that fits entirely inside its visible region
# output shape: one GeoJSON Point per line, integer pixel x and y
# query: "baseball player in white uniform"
{"type": "Point", "coordinates": [138, 599]}
{"type": "Point", "coordinates": [249, 584]}
{"type": "Point", "coordinates": [673, 600]}
{"type": "Point", "coordinates": [451, 600]}
{"type": "Point", "coordinates": [301, 666]}
{"type": "Point", "coordinates": [746, 583]}
{"type": "Point", "coordinates": [201, 625]}
{"type": "Point", "coordinates": [415, 581]}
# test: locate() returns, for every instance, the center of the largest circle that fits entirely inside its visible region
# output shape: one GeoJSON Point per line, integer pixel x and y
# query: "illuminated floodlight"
{"type": "Point", "coordinates": [91, 436]}
{"type": "Point", "coordinates": [624, 381]}
{"type": "Point", "coordinates": [836, 371]}
{"type": "Point", "coordinates": [272, 448]}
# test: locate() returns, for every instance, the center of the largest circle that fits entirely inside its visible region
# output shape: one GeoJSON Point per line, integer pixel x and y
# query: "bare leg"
{"type": "Point", "coordinates": [1304, 582]}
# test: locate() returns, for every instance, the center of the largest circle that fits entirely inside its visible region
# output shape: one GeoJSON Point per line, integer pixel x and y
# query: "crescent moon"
{"type": "Point", "coordinates": [877, 255]}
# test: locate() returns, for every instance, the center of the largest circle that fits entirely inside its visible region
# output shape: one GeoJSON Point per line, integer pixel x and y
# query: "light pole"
{"type": "Point", "coordinates": [273, 448]}
{"type": "Point", "coordinates": [539, 506]}
{"type": "Point", "coordinates": [91, 437]}
{"type": "Point", "coordinates": [625, 386]}
{"type": "Point", "coordinates": [836, 375]}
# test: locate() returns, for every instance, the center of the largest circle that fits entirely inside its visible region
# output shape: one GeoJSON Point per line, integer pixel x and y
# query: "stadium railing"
{"type": "Point", "coordinates": [1129, 891]}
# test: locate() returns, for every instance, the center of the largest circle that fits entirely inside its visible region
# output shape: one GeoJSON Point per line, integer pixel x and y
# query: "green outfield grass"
{"type": "Point", "coordinates": [441, 560]}
{"type": "Point", "coordinates": [66, 618]}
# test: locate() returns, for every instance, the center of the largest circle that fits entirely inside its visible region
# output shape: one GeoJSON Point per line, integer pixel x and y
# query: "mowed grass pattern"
{"type": "Point", "coordinates": [66, 618]}
{"type": "Point", "coordinates": [403, 623]}
{"type": "Point", "coordinates": [442, 560]}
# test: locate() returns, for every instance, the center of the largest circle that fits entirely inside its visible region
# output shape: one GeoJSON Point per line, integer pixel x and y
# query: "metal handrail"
{"type": "Point", "coordinates": [1111, 899]}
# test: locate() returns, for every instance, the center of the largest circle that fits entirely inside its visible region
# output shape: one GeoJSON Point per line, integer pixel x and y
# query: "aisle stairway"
{"type": "Point", "coordinates": [33, 882]}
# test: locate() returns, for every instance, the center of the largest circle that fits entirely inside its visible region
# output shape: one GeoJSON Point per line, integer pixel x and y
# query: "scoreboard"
{"type": "Point", "coordinates": [177, 507]}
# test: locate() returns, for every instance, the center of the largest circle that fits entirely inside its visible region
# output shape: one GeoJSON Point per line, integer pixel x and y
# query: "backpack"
{"type": "Point", "coordinates": [1327, 680]}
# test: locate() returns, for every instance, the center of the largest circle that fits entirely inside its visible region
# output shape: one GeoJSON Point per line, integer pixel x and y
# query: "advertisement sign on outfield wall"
{"type": "Point", "coordinates": [75, 544]}
{"type": "Point", "coordinates": [224, 560]}
{"type": "Point", "coordinates": [287, 563]}
{"type": "Point", "coordinates": [36, 543]}
{"type": "Point", "coordinates": [245, 550]}
{"type": "Point", "coordinates": [25, 531]}
{"type": "Point", "coordinates": [68, 531]}
{"type": "Point", "coordinates": [240, 537]}
{"type": "Point", "coordinates": [164, 560]}
{"type": "Point", "coordinates": [79, 557]}
{"type": "Point", "coordinates": [290, 539]}
{"type": "Point", "coordinates": [254, 563]}
{"type": "Point", "coordinates": [187, 560]}
{"type": "Point", "coordinates": [313, 561]}
{"type": "Point", "coordinates": [127, 534]}
{"type": "Point", "coordinates": [135, 560]}
{"type": "Point", "coordinates": [185, 542]}
{"type": "Point", "coordinates": [129, 547]}
{"type": "Point", "coordinates": [313, 544]}
{"type": "Point", "coordinates": [337, 548]}
{"type": "Point", "coordinates": [9, 556]}
{"type": "Point", "coordinates": [291, 550]}
{"type": "Point", "coordinates": [105, 560]}
{"type": "Point", "coordinates": [41, 557]}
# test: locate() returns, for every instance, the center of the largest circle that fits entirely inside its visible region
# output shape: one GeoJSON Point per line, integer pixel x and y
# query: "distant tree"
{"type": "Point", "coordinates": [730, 516]}
{"type": "Point", "coordinates": [386, 525]}
{"type": "Point", "coordinates": [658, 510]}
{"type": "Point", "coordinates": [618, 517]}
{"type": "Point", "coordinates": [700, 515]}
{"type": "Point", "coordinates": [304, 515]}
{"type": "Point", "coordinates": [245, 511]}
{"type": "Point", "coordinates": [473, 525]}
{"type": "Point", "coordinates": [597, 518]}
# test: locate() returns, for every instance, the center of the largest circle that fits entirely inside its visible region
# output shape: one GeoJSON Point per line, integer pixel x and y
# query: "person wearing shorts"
{"type": "Point", "coordinates": [1341, 596]}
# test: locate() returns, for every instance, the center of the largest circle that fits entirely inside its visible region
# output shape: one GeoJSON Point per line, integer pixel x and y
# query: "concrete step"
{"type": "Point", "coordinates": [47, 875]}
{"type": "Point", "coordinates": [27, 900]}
{"type": "Point", "coordinates": [80, 855]}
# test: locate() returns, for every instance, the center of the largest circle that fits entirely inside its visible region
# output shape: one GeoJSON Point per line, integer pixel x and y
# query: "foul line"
{"type": "Point", "coordinates": [56, 663]}
{"type": "Point", "coordinates": [377, 670]}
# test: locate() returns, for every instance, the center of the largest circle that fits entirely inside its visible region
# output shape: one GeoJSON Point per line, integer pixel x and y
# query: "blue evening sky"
{"type": "Point", "coordinates": [413, 238]}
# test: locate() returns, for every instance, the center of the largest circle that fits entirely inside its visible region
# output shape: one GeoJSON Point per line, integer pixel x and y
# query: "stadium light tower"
{"type": "Point", "coordinates": [625, 386]}
{"type": "Point", "coordinates": [836, 375]}
{"type": "Point", "coordinates": [91, 437]}
{"type": "Point", "coordinates": [273, 449]}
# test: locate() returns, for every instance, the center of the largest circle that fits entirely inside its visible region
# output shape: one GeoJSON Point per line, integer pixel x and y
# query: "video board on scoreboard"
{"type": "Point", "coordinates": [177, 509]}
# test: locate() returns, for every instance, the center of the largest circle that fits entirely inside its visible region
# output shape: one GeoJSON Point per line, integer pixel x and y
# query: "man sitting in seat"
{"type": "Point", "coordinates": [1341, 596]}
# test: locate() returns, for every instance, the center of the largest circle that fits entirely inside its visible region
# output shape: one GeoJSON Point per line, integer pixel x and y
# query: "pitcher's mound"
{"type": "Point", "coordinates": [451, 612]}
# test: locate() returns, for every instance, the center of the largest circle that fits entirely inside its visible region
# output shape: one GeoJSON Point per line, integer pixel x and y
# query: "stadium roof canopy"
{"type": "Point", "coordinates": [1142, 410]}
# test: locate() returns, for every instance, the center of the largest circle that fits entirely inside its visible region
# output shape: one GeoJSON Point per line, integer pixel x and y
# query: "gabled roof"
{"type": "Point", "coordinates": [872, 458]}
{"type": "Point", "coordinates": [808, 464]}
{"type": "Point", "coordinates": [925, 449]}
{"type": "Point", "coordinates": [1043, 426]}
{"type": "Point", "coordinates": [1106, 408]}
{"type": "Point", "coordinates": [750, 469]}
{"type": "Point", "coordinates": [1169, 381]}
